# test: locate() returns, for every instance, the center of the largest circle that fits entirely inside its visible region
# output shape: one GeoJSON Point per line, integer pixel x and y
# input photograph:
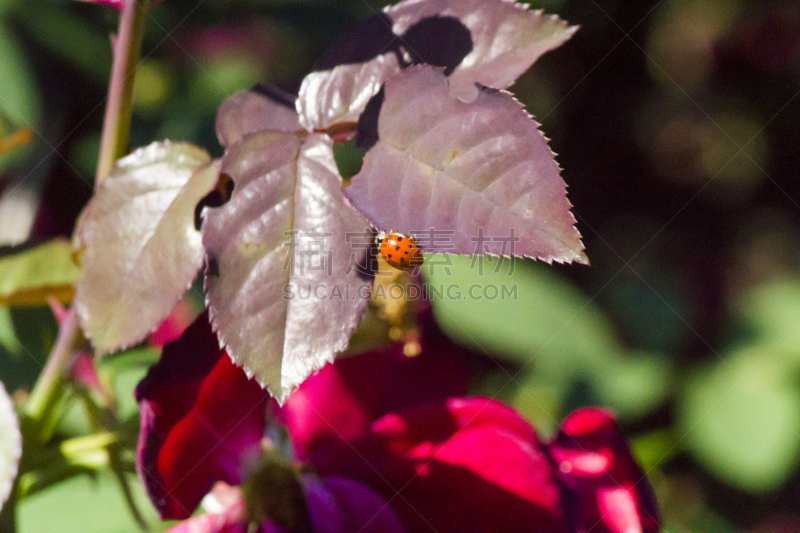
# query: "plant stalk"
{"type": "Point", "coordinates": [47, 390]}
{"type": "Point", "coordinates": [49, 387]}
{"type": "Point", "coordinates": [113, 145]}
{"type": "Point", "coordinates": [119, 108]}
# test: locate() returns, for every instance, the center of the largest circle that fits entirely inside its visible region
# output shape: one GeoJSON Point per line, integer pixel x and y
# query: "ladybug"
{"type": "Point", "coordinates": [399, 250]}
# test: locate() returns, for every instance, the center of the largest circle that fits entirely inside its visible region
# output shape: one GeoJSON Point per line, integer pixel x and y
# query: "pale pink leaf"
{"type": "Point", "coordinates": [249, 112]}
{"type": "Point", "coordinates": [140, 248]}
{"type": "Point", "coordinates": [284, 290]}
{"type": "Point", "coordinates": [506, 38]}
{"type": "Point", "coordinates": [340, 95]}
{"type": "Point", "coordinates": [480, 174]}
{"type": "Point", "coordinates": [491, 42]}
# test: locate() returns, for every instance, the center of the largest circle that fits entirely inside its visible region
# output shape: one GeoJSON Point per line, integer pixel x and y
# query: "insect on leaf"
{"type": "Point", "coordinates": [284, 290]}
{"type": "Point", "coordinates": [140, 248]}
{"type": "Point", "coordinates": [480, 174]}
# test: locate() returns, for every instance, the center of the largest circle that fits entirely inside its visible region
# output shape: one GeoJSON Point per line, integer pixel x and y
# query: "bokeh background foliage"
{"type": "Point", "coordinates": [675, 122]}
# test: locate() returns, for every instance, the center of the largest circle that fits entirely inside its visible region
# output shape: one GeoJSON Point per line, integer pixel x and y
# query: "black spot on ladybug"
{"type": "Point", "coordinates": [389, 256]}
{"type": "Point", "coordinates": [406, 253]}
{"type": "Point", "coordinates": [402, 259]}
{"type": "Point", "coordinates": [397, 248]}
{"type": "Point", "coordinates": [399, 239]}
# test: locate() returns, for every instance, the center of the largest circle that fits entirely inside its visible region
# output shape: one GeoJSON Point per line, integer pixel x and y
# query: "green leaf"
{"type": "Point", "coordinates": [8, 339]}
{"type": "Point", "coordinates": [20, 104]}
{"type": "Point", "coordinates": [740, 418]}
{"type": "Point", "coordinates": [769, 315]}
{"type": "Point", "coordinates": [540, 403]}
{"type": "Point", "coordinates": [634, 384]}
{"type": "Point", "coordinates": [531, 315]}
{"type": "Point", "coordinates": [218, 78]}
{"type": "Point", "coordinates": [27, 335]}
{"type": "Point", "coordinates": [55, 509]}
{"type": "Point", "coordinates": [69, 37]}
{"type": "Point", "coordinates": [653, 449]}
{"type": "Point", "coordinates": [29, 277]}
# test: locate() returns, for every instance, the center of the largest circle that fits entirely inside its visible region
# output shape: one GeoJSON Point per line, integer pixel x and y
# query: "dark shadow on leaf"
{"type": "Point", "coordinates": [278, 93]}
{"type": "Point", "coordinates": [368, 264]}
{"type": "Point", "coordinates": [368, 40]}
{"type": "Point", "coordinates": [438, 41]}
{"type": "Point", "coordinates": [218, 196]}
{"type": "Point", "coordinates": [486, 90]}
{"type": "Point", "coordinates": [367, 129]}
{"type": "Point", "coordinates": [212, 266]}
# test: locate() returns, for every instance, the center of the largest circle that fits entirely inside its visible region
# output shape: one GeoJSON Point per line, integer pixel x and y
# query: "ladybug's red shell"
{"type": "Point", "coordinates": [400, 250]}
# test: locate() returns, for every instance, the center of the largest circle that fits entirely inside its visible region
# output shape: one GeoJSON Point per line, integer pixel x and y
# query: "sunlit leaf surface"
{"type": "Point", "coordinates": [27, 278]}
{"type": "Point", "coordinates": [340, 95]}
{"type": "Point", "coordinates": [283, 286]}
{"type": "Point", "coordinates": [140, 247]}
{"type": "Point", "coordinates": [465, 178]}
{"type": "Point", "coordinates": [491, 42]}
{"type": "Point", "coordinates": [249, 112]}
{"type": "Point", "coordinates": [506, 38]}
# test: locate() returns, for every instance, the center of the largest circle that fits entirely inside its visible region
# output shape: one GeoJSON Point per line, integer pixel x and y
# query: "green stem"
{"type": "Point", "coordinates": [49, 387]}
{"type": "Point", "coordinates": [117, 122]}
{"type": "Point", "coordinates": [113, 145]}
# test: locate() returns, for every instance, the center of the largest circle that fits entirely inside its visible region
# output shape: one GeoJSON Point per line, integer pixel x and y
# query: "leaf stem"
{"type": "Point", "coordinates": [117, 122]}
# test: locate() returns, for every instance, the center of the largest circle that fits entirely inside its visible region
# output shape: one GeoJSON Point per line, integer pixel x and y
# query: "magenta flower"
{"type": "Point", "coordinates": [386, 443]}
{"type": "Point", "coordinates": [334, 505]}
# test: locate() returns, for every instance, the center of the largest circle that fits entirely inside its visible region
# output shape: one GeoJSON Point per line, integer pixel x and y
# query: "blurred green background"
{"type": "Point", "coordinates": [677, 125]}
